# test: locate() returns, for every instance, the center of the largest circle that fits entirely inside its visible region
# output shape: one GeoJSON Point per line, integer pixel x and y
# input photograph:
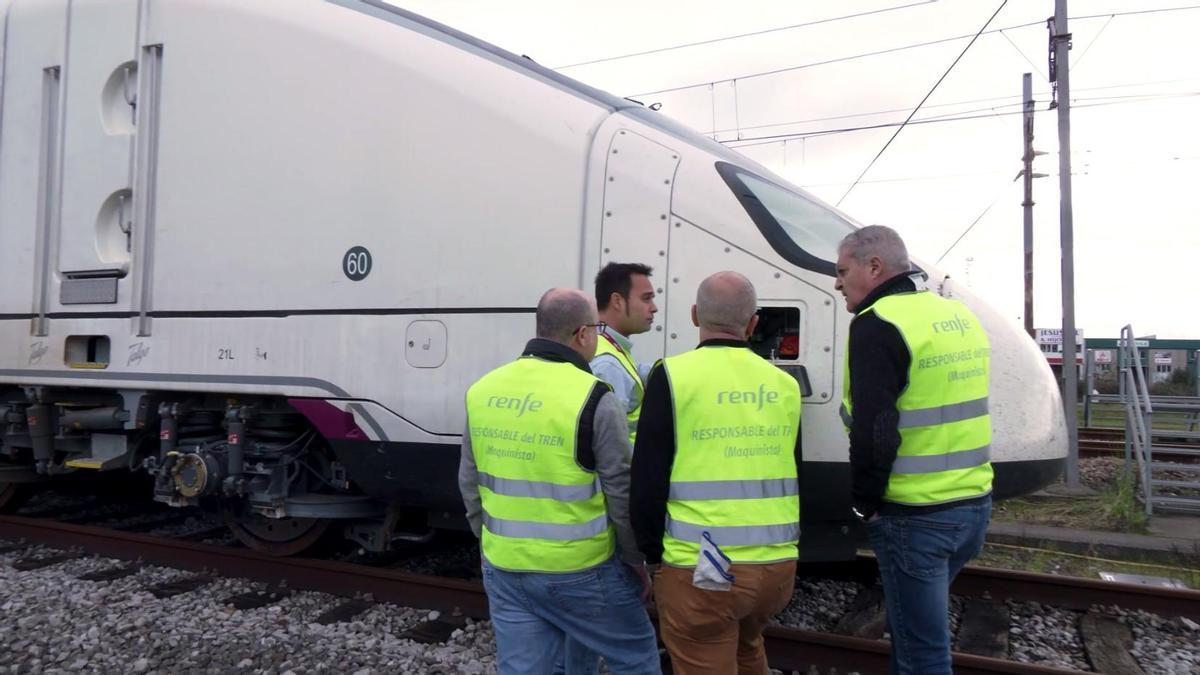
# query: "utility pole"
{"type": "Point", "coordinates": [1060, 39]}
{"type": "Point", "coordinates": [1027, 101]}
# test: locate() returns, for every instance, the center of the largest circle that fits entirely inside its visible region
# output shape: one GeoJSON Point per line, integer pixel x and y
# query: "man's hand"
{"type": "Point", "coordinates": [643, 576]}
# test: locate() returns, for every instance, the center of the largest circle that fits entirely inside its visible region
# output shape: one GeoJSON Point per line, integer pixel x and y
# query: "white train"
{"type": "Point", "coordinates": [261, 248]}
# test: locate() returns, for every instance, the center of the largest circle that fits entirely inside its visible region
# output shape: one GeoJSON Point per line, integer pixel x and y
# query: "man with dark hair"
{"type": "Point", "coordinates": [625, 299]}
{"type": "Point", "coordinates": [915, 403]}
{"type": "Point", "coordinates": [544, 475]}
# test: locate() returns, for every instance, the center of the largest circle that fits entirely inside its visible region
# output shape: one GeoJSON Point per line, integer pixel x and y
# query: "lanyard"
{"type": "Point", "coordinates": [616, 344]}
{"type": "Point", "coordinates": [637, 378]}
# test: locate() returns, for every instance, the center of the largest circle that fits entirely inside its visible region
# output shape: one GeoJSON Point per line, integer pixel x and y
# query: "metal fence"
{"type": "Point", "coordinates": [1151, 421]}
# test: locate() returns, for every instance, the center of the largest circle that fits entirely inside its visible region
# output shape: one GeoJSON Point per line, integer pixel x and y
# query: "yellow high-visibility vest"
{"type": "Point", "coordinates": [734, 475]}
{"type": "Point", "coordinates": [945, 428]}
{"type": "Point", "coordinates": [541, 511]}
{"type": "Point", "coordinates": [604, 346]}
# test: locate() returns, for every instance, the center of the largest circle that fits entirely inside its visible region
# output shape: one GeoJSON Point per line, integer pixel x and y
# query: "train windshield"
{"type": "Point", "coordinates": [798, 227]}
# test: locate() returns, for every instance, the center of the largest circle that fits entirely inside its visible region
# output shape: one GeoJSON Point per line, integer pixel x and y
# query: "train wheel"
{"type": "Point", "coordinates": [277, 536]}
{"type": "Point", "coordinates": [12, 495]}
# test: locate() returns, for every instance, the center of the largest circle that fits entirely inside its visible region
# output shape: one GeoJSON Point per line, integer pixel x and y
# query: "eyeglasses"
{"type": "Point", "coordinates": [599, 326]}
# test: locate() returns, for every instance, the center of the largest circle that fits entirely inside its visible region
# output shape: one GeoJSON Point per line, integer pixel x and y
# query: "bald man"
{"type": "Point", "coordinates": [544, 475]}
{"type": "Point", "coordinates": [715, 495]}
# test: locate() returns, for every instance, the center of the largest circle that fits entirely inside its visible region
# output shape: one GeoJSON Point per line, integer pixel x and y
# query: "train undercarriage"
{"type": "Point", "coordinates": [259, 462]}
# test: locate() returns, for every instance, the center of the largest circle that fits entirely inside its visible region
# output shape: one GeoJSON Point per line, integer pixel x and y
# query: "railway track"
{"type": "Point", "coordinates": [789, 649]}
{"type": "Point", "coordinates": [1110, 442]}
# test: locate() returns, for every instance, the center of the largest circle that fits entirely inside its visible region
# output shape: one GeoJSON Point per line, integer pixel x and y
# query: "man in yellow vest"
{"type": "Point", "coordinates": [544, 476]}
{"type": "Point", "coordinates": [915, 403]}
{"type": "Point", "coordinates": [715, 493]}
{"type": "Point", "coordinates": [625, 298]}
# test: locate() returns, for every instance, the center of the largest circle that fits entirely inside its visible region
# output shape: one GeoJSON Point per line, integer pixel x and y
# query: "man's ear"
{"type": "Point", "coordinates": [616, 301]}
{"type": "Point", "coordinates": [751, 326]}
{"type": "Point", "coordinates": [695, 317]}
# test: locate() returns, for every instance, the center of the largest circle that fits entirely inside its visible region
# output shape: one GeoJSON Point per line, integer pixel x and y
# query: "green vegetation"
{"type": "Point", "coordinates": [1120, 507]}
{"type": "Point", "coordinates": [1176, 384]}
{"type": "Point", "coordinates": [1113, 508]}
{"type": "Point", "coordinates": [1058, 562]}
{"type": "Point", "coordinates": [1113, 415]}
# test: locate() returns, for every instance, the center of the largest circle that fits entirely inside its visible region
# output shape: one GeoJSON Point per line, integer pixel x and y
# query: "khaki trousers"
{"type": "Point", "coordinates": [720, 632]}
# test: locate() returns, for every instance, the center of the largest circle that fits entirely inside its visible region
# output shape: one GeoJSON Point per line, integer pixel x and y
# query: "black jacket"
{"type": "Point", "coordinates": [550, 350]}
{"type": "Point", "coordinates": [879, 363]}
{"type": "Point", "coordinates": [653, 456]}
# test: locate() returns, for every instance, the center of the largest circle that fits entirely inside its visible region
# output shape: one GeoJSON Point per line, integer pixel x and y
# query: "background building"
{"type": "Point", "coordinates": [1049, 340]}
{"type": "Point", "coordinates": [1159, 358]}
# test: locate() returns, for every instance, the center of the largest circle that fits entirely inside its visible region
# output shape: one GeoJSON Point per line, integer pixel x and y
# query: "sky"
{"type": "Point", "coordinates": [796, 94]}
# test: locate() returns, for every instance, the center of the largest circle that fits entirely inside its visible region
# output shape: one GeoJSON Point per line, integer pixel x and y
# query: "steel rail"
{"type": "Point", "coordinates": [787, 648]}
{"type": "Point", "coordinates": [1076, 592]}
{"type": "Point", "coordinates": [791, 649]}
{"type": "Point", "coordinates": [1181, 454]}
{"type": "Point", "coordinates": [1068, 592]}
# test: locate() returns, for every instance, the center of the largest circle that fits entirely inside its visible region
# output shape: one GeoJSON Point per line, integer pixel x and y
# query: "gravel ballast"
{"type": "Point", "coordinates": [50, 621]}
{"type": "Point", "coordinates": [53, 622]}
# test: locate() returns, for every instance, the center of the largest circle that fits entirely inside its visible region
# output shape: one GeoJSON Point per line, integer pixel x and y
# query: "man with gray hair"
{"type": "Point", "coordinates": [544, 475]}
{"type": "Point", "coordinates": [715, 493]}
{"type": "Point", "coordinates": [915, 405]}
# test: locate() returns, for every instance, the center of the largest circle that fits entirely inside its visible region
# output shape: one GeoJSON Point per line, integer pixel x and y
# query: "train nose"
{"type": "Point", "coordinates": [1029, 432]}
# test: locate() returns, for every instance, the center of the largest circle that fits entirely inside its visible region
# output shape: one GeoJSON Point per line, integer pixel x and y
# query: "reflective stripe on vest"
{"type": "Point", "coordinates": [734, 473]}
{"type": "Point", "coordinates": [735, 489]}
{"type": "Point", "coordinates": [511, 487]}
{"type": "Point", "coordinates": [943, 414]}
{"type": "Point", "coordinates": [944, 423]}
{"type": "Point", "coordinates": [550, 531]}
{"type": "Point", "coordinates": [607, 345]}
{"type": "Point", "coordinates": [737, 535]}
{"type": "Point", "coordinates": [541, 511]}
{"type": "Point", "coordinates": [929, 416]}
{"type": "Point", "coordinates": [964, 459]}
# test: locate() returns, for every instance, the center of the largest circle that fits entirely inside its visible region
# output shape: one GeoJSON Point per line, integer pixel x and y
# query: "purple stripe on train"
{"type": "Point", "coordinates": [331, 422]}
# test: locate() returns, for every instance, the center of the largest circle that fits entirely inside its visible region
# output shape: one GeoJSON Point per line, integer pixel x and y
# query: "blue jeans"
{"type": "Point", "coordinates": [577, 659]}
{"type": "Point", "coordinates": [599, 608]}
{"type": "Point", "coordinates": [919, 555]}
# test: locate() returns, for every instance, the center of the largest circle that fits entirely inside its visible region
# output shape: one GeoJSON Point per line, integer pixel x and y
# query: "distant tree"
{"type": "Point", "coordinates": [1107, 384]}
{"type": "Point", "coordinates": [1176, 384]}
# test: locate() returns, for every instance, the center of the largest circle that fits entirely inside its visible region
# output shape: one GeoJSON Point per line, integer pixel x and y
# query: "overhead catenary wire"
{"type": "Point", "coordinates": [1007, 186]}
{"type": "Point", "coordinates": [1101, 101]}
{"type": "Point", "coordinates": [891, 50]}
{"type": "Point", "coordinates": [926, 98]}
{"type": "Point", "coordinates": [1092, 42]}
{"type": "Point", "coordinates": [1028, 60]}
{"type": "Point", "coordinates": [864, 114]}
{"type": "Point", "coordinates": [739, 36]}
{"type": "Point", "coordinates": [777, 138]}
{"type": "Point", "coordinates": [1005, 97]}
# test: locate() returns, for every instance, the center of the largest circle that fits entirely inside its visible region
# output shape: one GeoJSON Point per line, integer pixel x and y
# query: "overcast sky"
{"type": "Point", "coordinates": [1135, 89]}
